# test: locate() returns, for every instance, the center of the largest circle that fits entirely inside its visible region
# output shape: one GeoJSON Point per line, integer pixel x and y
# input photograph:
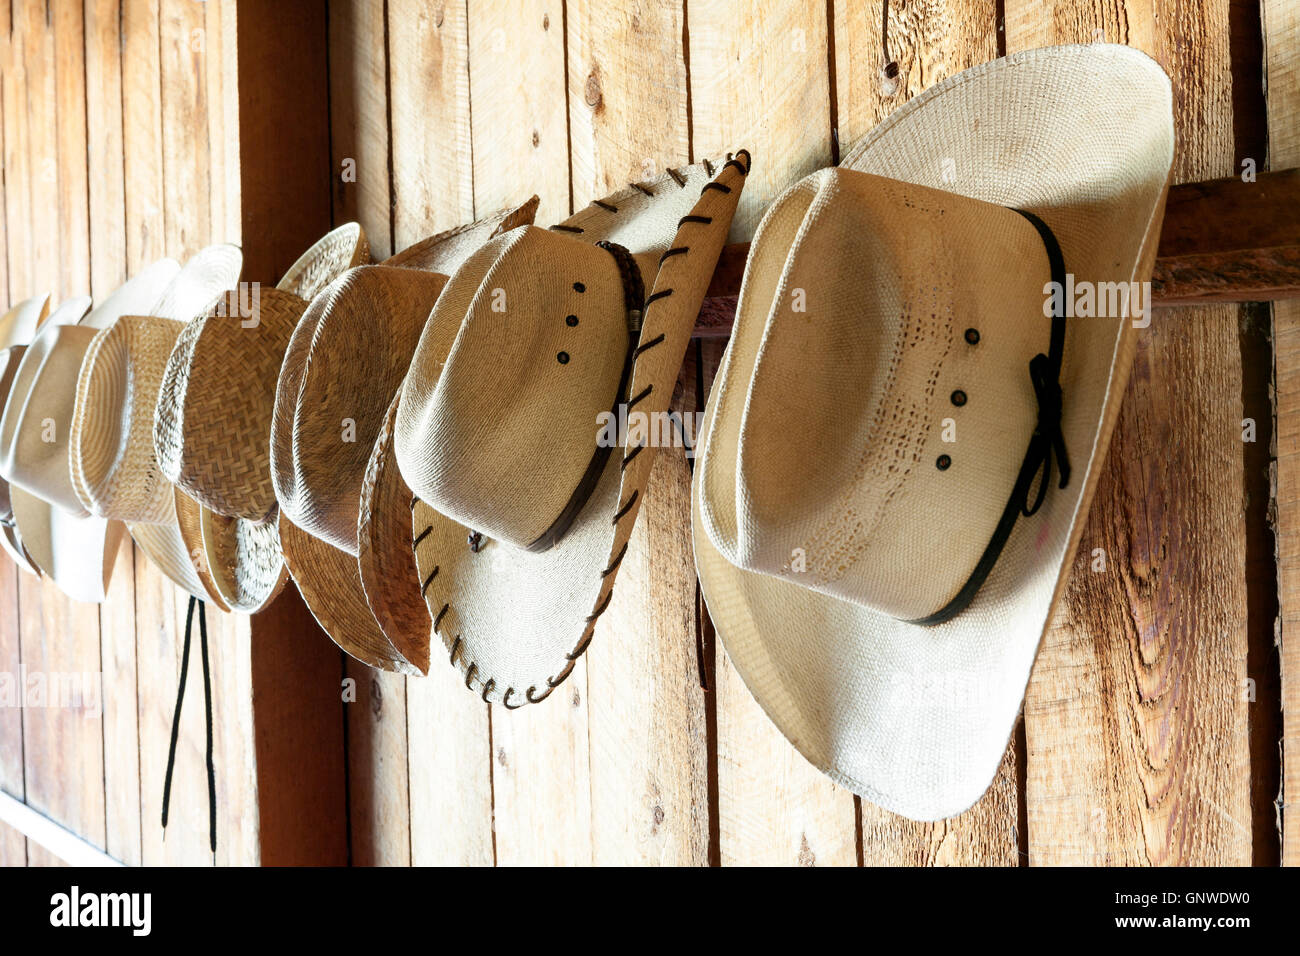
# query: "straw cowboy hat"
{"type": "Point", "coordinates": [212, 421]}
{"type": "Point", "coordinates": [331, 411]}
{"type": "Point", "coordinates": [524, 513]}
{"type": "Point", "coordinates": [111, 459]}
{"type": "Point", "coordinates": [905, 433]}
{"type": "Point", "coordinates": [55, 534]}
{"type": "Point", "coordinates": [17, 328]}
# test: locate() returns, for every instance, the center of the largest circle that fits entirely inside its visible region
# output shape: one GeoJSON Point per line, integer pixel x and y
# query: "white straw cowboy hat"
{"type": "Point", "coordinates": [111, 458]}
{"type": "Point", "coordinates": [905, 433]}
{"type": "Point", "coordinates": [330, 411]}
{"type": "Point", "coordinates": [56, 535]}
{"type": "Point", "coordinates": [212, 424]}
{"type": "Point", "coordinates": [525, 513]}
{"type": "Point", "coordinates": [17, 328]}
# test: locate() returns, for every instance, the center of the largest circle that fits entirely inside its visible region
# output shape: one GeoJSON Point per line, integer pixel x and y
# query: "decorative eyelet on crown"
{"type": "Point", "coordinates": [562, 358]}
{"type": "Point", "coordinates": [958, 397]}
{"type": "Point", "coordinates": [571, 320]}
{"type": "Point", "coordinates": [972, 336]}
{"type": "Point", "coordinates": [579, 287]}
{"type": "Point", "coordinates": [943, 462]}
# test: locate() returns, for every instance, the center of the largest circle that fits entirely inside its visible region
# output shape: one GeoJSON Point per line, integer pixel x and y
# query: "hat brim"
{"type": "Point", "coordinates": [514, 621]}
{"type": "Point", "coordinates": [76, 553]}
{"type": "Point", "coordinates": [244, 559]}
{"type": "Point", "coordinates": [916, 719]}
{"type": "Point", "coordinates": [163, 545]}
{"type": "Point", "coordinates": [330, 585]}
{"type": "Point", "coordinates": [12, 545]}
{"type": "Point", "coordinates": [385, 559]}
{"type": "Point", "coordinates": [189, 526]}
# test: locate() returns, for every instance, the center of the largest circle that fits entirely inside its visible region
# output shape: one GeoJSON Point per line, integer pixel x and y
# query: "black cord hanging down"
{"type": "Point", "coordinates": [176, 719]}
{"type": "Point", "coordinates": [1046, 442]}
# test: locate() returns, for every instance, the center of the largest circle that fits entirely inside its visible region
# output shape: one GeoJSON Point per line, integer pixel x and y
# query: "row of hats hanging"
{"type": "Point", "coordinates": [416, 442]}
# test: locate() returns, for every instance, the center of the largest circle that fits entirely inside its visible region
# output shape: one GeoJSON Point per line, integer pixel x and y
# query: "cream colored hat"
{"type": "Point", "coordinates": [51, 531]}
{"type": "Point", "coordinates": [213, 423]}
{"type": "Point", "coordinates": [904, 436]}
{"type": "Point", "coordinates": [331, 408]}
{"type": "Point", "coordinates": [525, 513]}
{"type": "Point", "coordinates": [17, 327]}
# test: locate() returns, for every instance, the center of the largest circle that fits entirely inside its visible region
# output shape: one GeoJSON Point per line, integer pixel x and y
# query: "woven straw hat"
{"type": "Point", "coordinates": [117, 397]}
{"type": "Point", "coordinates": [17, 327]}
{"type": "Point", "coordinates": [331, 407]}
{"type": "Point", "coordinates": [228, 525]}
{"type": "Point", "coordinates": [892, 478]}
{"type": "Point", "coordinates": [524, 514]}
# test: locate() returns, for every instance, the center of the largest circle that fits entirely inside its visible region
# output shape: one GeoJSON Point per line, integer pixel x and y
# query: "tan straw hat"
{"type": "Point", "coordinates": [905, 433]}
{"type": "Point", "coordinates": [525, 512]}
{"type": "Point", "coordinates": [331, 407]}
{"type": "Point", "coordinates": [213, 424]}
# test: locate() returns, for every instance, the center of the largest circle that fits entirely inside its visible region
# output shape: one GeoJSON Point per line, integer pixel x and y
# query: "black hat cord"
{"type": "Point", "coordinates": [176, 719]}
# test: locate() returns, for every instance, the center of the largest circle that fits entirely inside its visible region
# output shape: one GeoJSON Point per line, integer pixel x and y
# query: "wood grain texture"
{"type": "Point", "coordinates": [379, 791]}
{"type": "Point", "coordinates": [63, 740]}
{"type": "Point", "coordinates": [517, 97]}
{"type": "Point", "coordinates": [13, 212]}
{"type": "Point", "coordinates": [1281, 23]}
{"type": "Point", "coordinates": [448, 739]}
{"type": "Point", "coordinates": [541, 781]}
{"type": "Point", "coordinates": [628, 99]}
{"type": "Point", "coordinates": [759, 80]}
{"type": "Point", "coordinates": [107, 234]}
{"type": "Point", "coordinates": [358, 68]}
{"type": "Point", "coordinates": [428, 71]}
{"type": "Point", "coordinates": [931, 40]}
{"type": "Point", "coordinates": [1136, 718]}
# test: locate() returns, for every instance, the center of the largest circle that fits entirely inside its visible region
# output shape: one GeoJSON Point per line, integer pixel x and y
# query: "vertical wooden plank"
{"type": "Point", "coordinates": [380, 799]}
{"type": "Point", "coordinates": [63, 740]}
{"type": "Point", "coordinates": [13, 845]}
{"type": "Point", "coordinates": [433, 183]}
{"type": "Point", "coordinates": [157, 643]}
{"type": "Point", "coordinates": [284, 165]}
{"type": "Point", "coordinates": [759, 80]}
{"type": "Point", "coordinates": [1282, 60]}
{"type": "Point", "coordinates": [540, 770]}
{"type": "Point", "coordinates": [67, 24]}
{"type": "Point", "coordinates": [1136, 718]}
{"type": "Point", "coordinates": [628, 120]}
{"type": "Point", "coordinates": [107, 233]}
{"type": "Point", "coordinates": [929, 43]}
{"type": "Point", "coordinates": [359, 120]}
{"type": "Point", "coordinates": [448, 730]}
{"type": "Point", "coordinates": [517, 90]}
{"type": "Point", "coordinates": [378, 782]}
{"type": "Point", "coordinates": [187, 227]}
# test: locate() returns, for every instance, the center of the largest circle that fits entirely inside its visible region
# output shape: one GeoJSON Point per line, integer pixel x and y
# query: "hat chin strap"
{"type": "Point", "coordinates": [634, 301]}
{"type": "Point", "coordinates": [1047, 441]}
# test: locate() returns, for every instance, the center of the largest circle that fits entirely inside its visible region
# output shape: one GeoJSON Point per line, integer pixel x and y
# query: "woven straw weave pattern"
{"type": "Point", "coordinates": [213, 424]}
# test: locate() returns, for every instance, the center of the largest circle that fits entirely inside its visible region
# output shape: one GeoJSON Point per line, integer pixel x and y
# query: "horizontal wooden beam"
{"type": "Point", "coordinates": [1223, 240]}
{"type": "Point", "coordinates": [58, 840]}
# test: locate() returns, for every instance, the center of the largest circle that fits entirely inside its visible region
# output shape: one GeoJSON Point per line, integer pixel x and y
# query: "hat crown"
{"type": "Point", "coordinates": [535, 332]}
{"type": "Point", "coordinates": [858, 296]}
{"type": "Point", "coordinates": [345, 361]}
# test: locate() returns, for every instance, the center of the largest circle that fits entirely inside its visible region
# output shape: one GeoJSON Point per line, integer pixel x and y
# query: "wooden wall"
{"type": "Point", "coordinates": [1151, 728]}
{"type": "Point", "coordinates": [1152, 732]}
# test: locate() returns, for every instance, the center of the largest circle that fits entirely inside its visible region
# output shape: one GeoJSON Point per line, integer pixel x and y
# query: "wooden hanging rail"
{"type": "Point", "coordinates": [1223, 240]}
